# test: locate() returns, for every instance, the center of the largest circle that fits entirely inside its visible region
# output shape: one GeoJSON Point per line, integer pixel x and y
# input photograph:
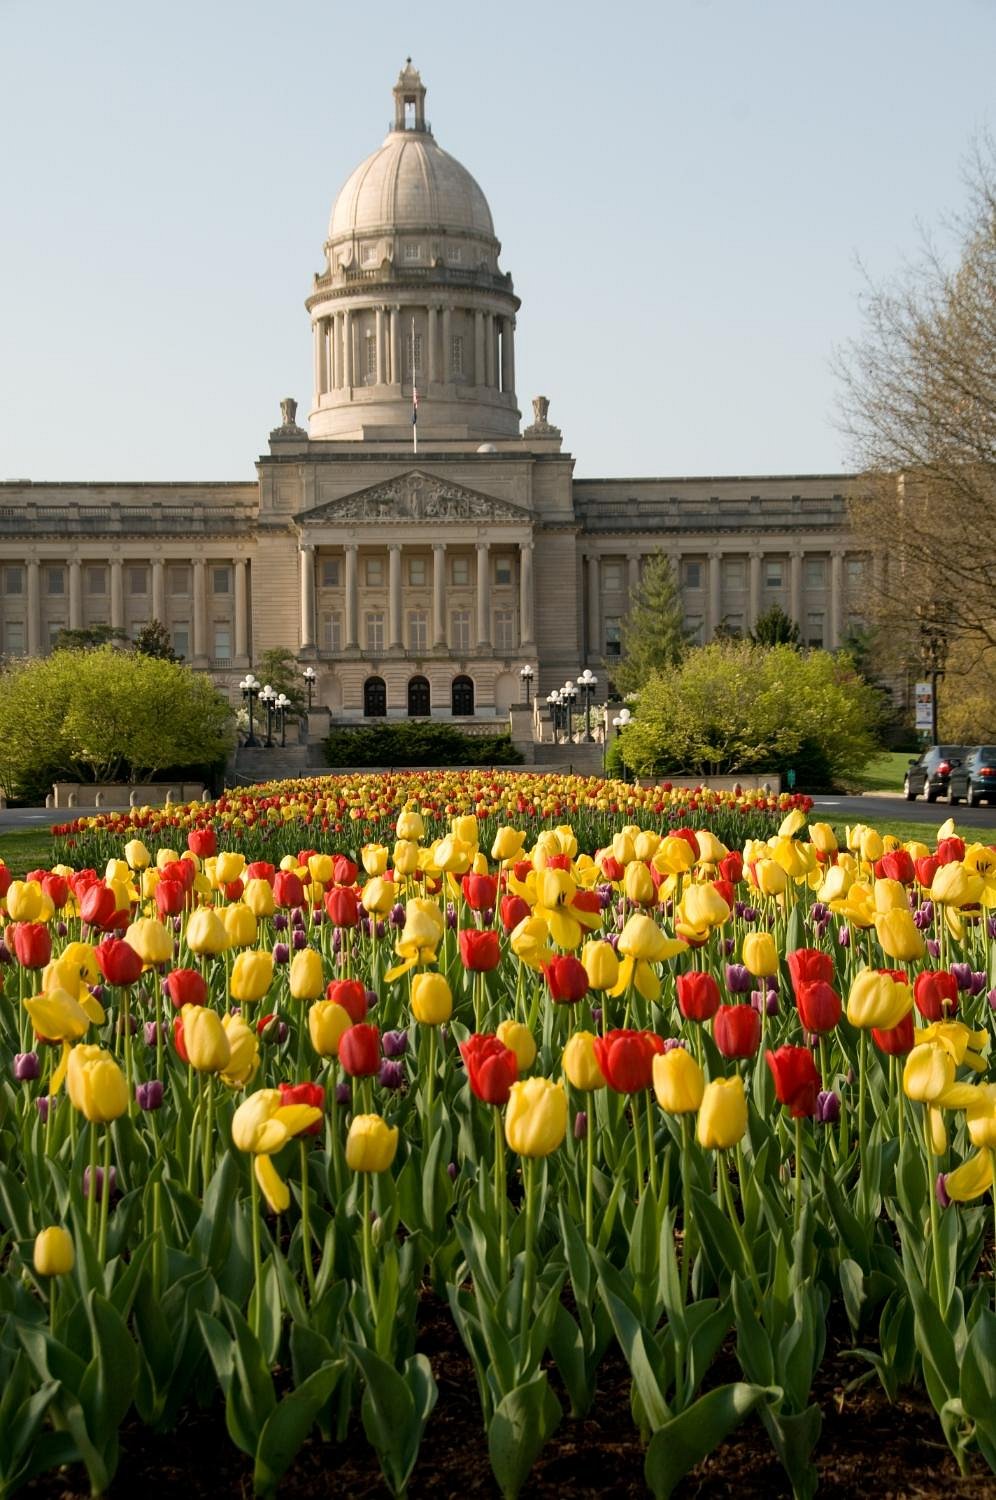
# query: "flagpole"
{"type": "Point", "coordinates": [414, 395]}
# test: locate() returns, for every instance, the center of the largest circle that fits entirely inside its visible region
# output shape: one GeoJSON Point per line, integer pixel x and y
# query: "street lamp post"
{"type": "Point", "coordinates": [569, 696]}
{"type": "Point", "coordinates": [310, 676]}
{"type": "Point", "coordinates": [267, 698]}
{"type": "Point", "coordinates": [526, 678]}
{"type": "Point", "coordinates": [553, 700]}
{"type": "Point", "coordinates": [587, 682]}
{"type": "Point", "coordinates": [283, 704]}
{"type": "Point", "coordinates": [933, 655]}
{"type": "Point", "coordinates": [250, 692]}
{"type": "Point", "coordinates": [622, 718]}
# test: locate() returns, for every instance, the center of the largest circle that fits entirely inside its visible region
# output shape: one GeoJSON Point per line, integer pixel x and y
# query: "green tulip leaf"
{"type": "Point", "coordinates": [525, 1419]}
{"type": "Point", "coordinates": [288, 1425]}
{"type": "Point", "coordinates": [685, 1440]}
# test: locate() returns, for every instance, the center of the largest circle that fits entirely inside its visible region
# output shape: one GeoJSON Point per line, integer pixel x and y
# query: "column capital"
{"type": "Point", "coordinates": [394, 546]}
{"type": "Point", "coordinates": [304, 546]}
{"type": "Point", "coordinates": [439, 546]}
{"type": "Point", "coordinates": [351, 546]}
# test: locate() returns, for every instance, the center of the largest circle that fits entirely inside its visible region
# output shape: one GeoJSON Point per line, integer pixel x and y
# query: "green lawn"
{"type": "Point", "coordinates": [24, 849]}
{"type": "Point", "coordinates": [883, 774]}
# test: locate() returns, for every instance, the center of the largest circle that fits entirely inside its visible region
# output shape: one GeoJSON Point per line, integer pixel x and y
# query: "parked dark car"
{"type": "Point", "coordinates": [974, 781]}
{"type": "Point", "coordinates": [929, 775]}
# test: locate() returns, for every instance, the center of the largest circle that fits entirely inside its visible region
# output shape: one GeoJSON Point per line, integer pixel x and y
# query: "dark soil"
{"type": "Point", "coordinates": [867, 1448]}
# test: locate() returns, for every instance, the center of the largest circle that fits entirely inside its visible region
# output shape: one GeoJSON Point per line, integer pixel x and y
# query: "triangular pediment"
{"type": "Point", "coordinates": [414, 496]}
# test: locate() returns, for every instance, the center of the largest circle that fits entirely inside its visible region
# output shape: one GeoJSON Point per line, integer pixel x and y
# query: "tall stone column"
{"type": "Point", "coordinates": [319, 337]}
{"type": "Point", "coordinates": [117, 594]}
{"type": "Point", "coordinates": [75, 595]}
{"type": "Point", "coordinates": [241, 613]}
{"type": "Point", "coordinates": [307, 565]}
{"type": "Point", "coordinates": [394, 636]}
{"type": "Point", "coordinates": [200, 613]}
{"type": "Point", "coordinates": [594, 606]}
{"type": "Point", "coordinates": [507, 362]}
{"type": "Point", "coordinates": [438, 594]}
{"type": "Point", "coordinates": [33, 608]}
{"type": "Point", "coordinates": [335, 344]}
{"type": "Point", "coordinates": [479, 349]}
{"type": "Point", "coordinates": [526, 628]}
{"type": "Point", "coordinates": [347, 349]}
{"type": "Point", "coordinates": [633, 572]}
{"type": "Point", "coordinates": [795, 588]}
{"type": "Point", "coordinates": [395, 346]}
{"type": "Point", "coordinates": [159, 590]}
{"type": "Point", "coordinates": [489, 350]}
{"type": "Point", "coordinates": [379, 339]}
{"type": "Point", "coordinates": [447, 360]}
{"type": "Point", "coordinates": [483, 596]}
{"type": "Point", "coordinates": [433, 364]}
{"type": "Point", "coordinates": [352, 552]}
{"type": "Point", "coordinates": [754, 610]}
{"type": "Point", "coordinates": [715, 565]}
{"type": "Point", "coordinates": [836, 596]}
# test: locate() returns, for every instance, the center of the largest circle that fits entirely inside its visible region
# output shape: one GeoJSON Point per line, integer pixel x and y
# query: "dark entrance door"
{"type": "Point", "coordinates": [462, 698]}
{"type": "Point", "coordinates": [418, 698]}
{"type": "Point", "coordinates": [374, 698]}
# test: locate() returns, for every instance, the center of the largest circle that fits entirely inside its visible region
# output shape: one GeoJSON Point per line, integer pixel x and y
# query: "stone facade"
{"type": "Point", "coordinates": [418, 566]}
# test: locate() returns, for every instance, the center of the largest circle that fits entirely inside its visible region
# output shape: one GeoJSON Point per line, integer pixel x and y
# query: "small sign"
{"type": "Point", "coordinates": [924, 705]}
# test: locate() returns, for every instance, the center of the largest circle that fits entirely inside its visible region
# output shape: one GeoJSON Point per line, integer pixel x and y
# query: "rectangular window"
{"type": "Point", "coordinates": [816, 572]}
{"type": "Point", "coordinates": [416, 572]}
{"type": "Point", "coordinates": [13, 637]}
{"type": "Point", "coordinates": [222, 643]}
{"type": "Point", "coordinates": [371, 358]}
{"type": "Point", "coordinates": [456, 354]}
{"type": "Point", "coordinates": [855, 572]}
{"type": "Point", "coordinates": [369, 255]}
{"type": "Point", "coordinates": [456, 255]}
{"type": "Point", "coordinates": [181, 640]}
{"type": "Point", "coordinates": [55, 627]}
{"type": "Point", "coordinates": [13, 580]}
{"type": "Point", "coordinates": [138, 581]}
{"type": "Point", "coordinates": [612, 581]}
{"type": "Point", "coordinates": [407, 336]}
{"type": "Point", "coordinates": [418, 630]}
{"type": "Point", "coordinates": [55, 581]}
{"type": "Point", "coordinates": [221, 580]}
{"type": "Point", "coordinates": [691, 573]}
{"type": "Point", "coordinates": [459, 571]}
{"type": "Point", "coordinates": [814, 628]}
{"type": "Point", "coordinates": [332, 632]}
{"type": "Point", "coordinates": [96, 581]}
{"type": "Point", "coordinates": [505, 630]}
{"type": "Point", "coordinates": [374, 572]}
{"type": "Point", "coordinates": [460, 629]}
{"type": "Point", "coordinates": [774, 574]}
{"type": "Point", "coordinates": [855, 626]}
{"type": "Point", "coordinates": [613, 637]}
{"type": "Point", "coordinates": [693, 629]}
{"type": "Point", "coordinates": [733, 624]}
{"type": "Point", "coordinates": [178, 579]}
{"type": "Point", "coordinates": [330, 572]}
{"type": "Point", "coordinates": [374, 622]}
{"type": "Point", "coordinates": [734, 574]}
{"type": "Point", "coordinates": [503, 572]}
{"type": "Point", "coordinates": [412, 251]}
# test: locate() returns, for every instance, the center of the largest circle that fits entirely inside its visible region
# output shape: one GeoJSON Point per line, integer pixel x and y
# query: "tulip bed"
{"type": "Point", "coordinates": [604, 1089]}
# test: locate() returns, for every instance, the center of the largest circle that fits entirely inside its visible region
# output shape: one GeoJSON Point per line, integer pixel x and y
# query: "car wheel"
{"type": "Point", "coordinates": [908, 791]}
{"type": "Point", "coordinates": [931, 793]}
{"type": "Point", "coordinates": [952, 799]}
{"type": "Point", "coordinates": [974, 800]}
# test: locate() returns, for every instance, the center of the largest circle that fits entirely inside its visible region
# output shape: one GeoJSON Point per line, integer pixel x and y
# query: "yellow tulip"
{"type": "Point", "coordinates": [580, 1064]}
{"type": "Point", "coordinates": [117, 872]}
{"type": "Point", "coordinates": [647, 842]}
{"type": "Point", "coordinates": [823, 838]}
{"type": "Point", "coordinates": [251, 976]}
{"type": "Point", "coordinates": [973, 1178]}
{"type": "Point", "coordinates": [702, 906]}
{"type": "Point", "coordinates": [836, 884]}
{"type": "Point", "coordinates": [262, 1125]}
{"type": "Point", "coordinates": [136, 854]}
{"type": "Point", "coordinates": [410, 826]}
{"type": "Point", "coordinates": [529, 942]}
{"type": "Point", "coordinates": [58, 1015]}
{"type": "Point", "coordinates": [519, 1039]}
{"type": "Point", "coordinates": [536, 1116]}
{"type": "Point", "coordinates": [638, 884]}
{"type": "Point", "coordinates": [760, 955]}
{"type": "Point", "coordinates": [240, 925]}
{"type": "Point", "coordinates": [954, 886]}
{"type": "Point", "coordinates": [320, 868]}
{"type": "Point", "coordinates": [623, 848]}
{"type": "Point", "coordinates": [722, 1118]}
{"type": "Point", "coordinates": [453, 855]}
{"type": "Point", "coordinates": [228, 867]}
{"type": "Point", "coordinates": [508, 845]}
{"type": "Point", "coordinates": [54, 1253]}
{"type": "Point", "coordinates": [432, 999]}
{"type": "Point", "coordinates": [373, 858]}
{"type": "Point", "coordinates": [928, 1072]}
{"type": "Point", "coordinates": [307, 978]}
{"type": "Point", "coordinates": [205, 932]}
{"type": "Point", "coordinates": [326, 1023]}
{"type": "Point", "coordinates": [150, 940]}
{"type": "Point", "coordinates": [899, 936]}
{"type": "Point", "coordinates": [406, 857]}
{"type": "Point", "coordinates": [379, 895]}
{"type": "Point", "coordinates": [877, 1000]}
{"type": "Point", "coordinates": [770, 877]}
{"type": "Point", "coordinates": [963, 1044]}
{"type": "Point", "coordinates": [679, 1082]}
{"type": "Point", "coordinates": [205, 1039]}
{"type": "Point", "coordinates": [371, 1144]}
{"type": "Point", "coordinates": [165, 857]}
{"type": "Point", "coordinates": [25, 901]}
{"type": "Point", "coordinates": [244, 1053]}
{"type": "Point", "coordinates": [258, 896]}
{"type": "Point", "coordinates": [601, 964]}
{"type": "Point", "coordinates": [96, 1085]}
{"type": "Point", "coordinates": [980, 1117]}
{"type": "Point", "coordinates": [674, 856]}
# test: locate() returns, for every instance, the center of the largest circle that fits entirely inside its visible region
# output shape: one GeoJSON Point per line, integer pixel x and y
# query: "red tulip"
{"type": "Point", "coordinates": [97, 906]}
{"type": "Point", "coordinates": [480, 891]}
{"type": "Point", "coordinates": [732, 867]}
{"type": "Point", "coordinates": [513, 911]}
{"type": "Point", "coordinates": [118, 961]}
{"type": "Point", "coordinates": [341, 905]}
{"type": "Point", "coordinates": [32, 944]}
{"type": "Point", "coordinates": [359, 1050]}
{"type": "Point", "coordinates": [725, 889]}
{"type": "Point", "coordinates": [809, 966]}
{"type": "Point", "coordinates": [56, 888]}
{"type": "Point", "coordinates": [170, 896]}
{"type": "Point", "coordinates": [736, 1030]}
{"type": "Point", "coordinates": [558, 862]}
{"type": "Point", "coordinates": [260, 870]}
{"type": "Point", "coordinates": [626, 1059]}
{"type": "Point", "coordinates": [304, 1093]}
{"type": "Point", "coordinates": [182, 870]}
{"type": "Point", "coordinates": [491, 1067]}
{"type": "Point", "coordinates": [926, 869]}
{"type": "Point", "coordinates": [698, 995]}
{"type": "Point", "coordinates": [797, 1079]}
{"type": "Point", "coordinates": [344, 871]}
{"type": "Point", "coordinates": [350, 994]}
{"type": "Point", "coordinates": [567, 978]}
{"type": "Point", "coordinates": [202, 842]}
{"type": "Point", "coordinates": [935, 993]}
{"type": "Point", "coordinates": [612, 868]}
{"type": "Point", "coordinates": [950, 851]}
{"type": "Point", "coordinates": [895, 1041]}
{"type": "Point", "coordinates": [479, 951]}
{"type": "Point", "coordinates": [178, 1041]}
{"type": "Point", "coordinates": [690, 837]}
{"type": "Point", "coordinates": [234, 890]}
{"type": "Point", "coordinates": [287, 889]}
{"type": "Point", "coordinates": [186, 987]}
{"type": "Point", "coordinates": [896, 865]}
{"type": "Point", "coordinates": [818, 1005]}
{"type": "Point", "coordinates": [5, 878]}
{"type": "Point", "coordinates": [588, 901]}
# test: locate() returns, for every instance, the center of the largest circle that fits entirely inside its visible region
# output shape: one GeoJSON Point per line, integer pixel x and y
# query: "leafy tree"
{"type": "Point", "coordinates": [104, 715]}
{"type": "Point", "coordinates": [737, 706]}
{"type": "Point", "coordinates": [279, 668]}
{"type": "Point", "coordinates": [776, 628]}
{"type": "Point", "coordinates": [401, 743]}
{"type": "Point", "coordinates": [653, 633]}
{"type": "Point", "coordinates": [154, 640]}
{"type": "Point", "coordinates": [90, 638]}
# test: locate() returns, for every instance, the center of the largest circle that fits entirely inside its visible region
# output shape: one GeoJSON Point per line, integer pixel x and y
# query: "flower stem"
{"type": "Point", "coordinates": [257, 1256]}
{"type": "Point", "coordinates": [589, 1174]}
{"type": "Point", "coordinates": [501, 1197]}
{"type": "Point", "coordinates": [686, 1204]}
{"type": "Point", "coordinates": [367, 1241]}
{"type": "Point", "coordinates": [798, 1175]}
{"type": "Point", "coordinates": [529, 1269]}
{"type": "Point", "coordinates": [105, 1197]}
{"type": "Point", "coordinates": [727, 1195]}
{"type": "Point", "coordinates": [309, 1269]}
{"type": "Point", "coordinates": [934, 1213]}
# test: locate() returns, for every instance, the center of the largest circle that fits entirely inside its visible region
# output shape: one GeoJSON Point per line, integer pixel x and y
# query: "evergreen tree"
{"type": "Point", "coordinates": [653, 633]}
{"type": "Point", "coordinates": [89, 638]}
{"type": "Point", "coordinates": [154, 640]}
{"type": "Point", "coordinates": [776, 628]}
{"type": "Point", "coordinates": [279, 668]}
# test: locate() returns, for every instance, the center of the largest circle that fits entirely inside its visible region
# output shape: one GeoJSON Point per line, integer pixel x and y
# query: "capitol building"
{"type": "Point", "coordinates": [417, 569]}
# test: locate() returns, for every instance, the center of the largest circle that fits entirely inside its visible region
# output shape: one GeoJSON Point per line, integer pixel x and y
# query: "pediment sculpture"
{"type": "Point", "coordinates": [416, 497]}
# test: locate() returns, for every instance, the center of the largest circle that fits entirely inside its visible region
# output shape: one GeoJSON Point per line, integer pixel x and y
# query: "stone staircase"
{"type": "Point", "coordinates": [581, 758]}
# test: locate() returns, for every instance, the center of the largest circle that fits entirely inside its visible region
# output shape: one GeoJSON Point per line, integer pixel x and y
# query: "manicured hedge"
{"type": "Point", "coordinates": [404, 743]}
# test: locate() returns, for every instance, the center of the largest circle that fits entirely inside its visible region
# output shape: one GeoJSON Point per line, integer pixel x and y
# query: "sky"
{"type": "Point", "coordinates": [689, 195]}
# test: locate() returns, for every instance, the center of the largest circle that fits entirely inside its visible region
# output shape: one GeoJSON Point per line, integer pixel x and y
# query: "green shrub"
{"type": "Point", "coordinates": [404, 743]}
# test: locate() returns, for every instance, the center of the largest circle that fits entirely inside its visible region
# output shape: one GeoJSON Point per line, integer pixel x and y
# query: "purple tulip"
{"type": "Point", "coordinates": [396, 916]}
{"type": "Point", "coordinates": [297, 917]}
{"type": "Point", "coordinates": [123, 1021]}
{"type": "Point", "coordinates": [941, 1190]}
{"type": "Point", "coordinates": [453, 1171]}
{"type": "Point", "coordinates": [991, 927]}
{"type": "Point", "coordinates": [381, 928]}
{"type": "Point", "coordinates": [275, 1032]}
{"type": "Point", "coordinates": [153, 1031]}
{"type": "Point", "coordinates": [99, 1182]}
{"type": "Point", "coordinates": [991, 997]}
{"type": "Point", "coordinates": [728, 946]}
{"type": "Point", "coordinates": [451, 916]}
{"type": "Point", "coordinates": [604, 894]}
{"type": "Point", "coordinates": [765, 1002]}
{"type": "Point", "coordinates": [612, 938]}
{"type": "Point", "coordinates": [596, 1014]}
{"type": "Point", "coordinates": [61, 929]}
{"type": "Point", "coordinates": [820, 912]}
{"type": "Point", "coordinates": [99, 993]}
{"type": "Point", "coordinates": [372, 998]}
{"type": "Point", "coordinates": [149, 1095]}
{"type": "Point", "coordinates": [738, 979]}
{"type": "Point", "coordinates": [280, 921]}
{"type": "Point", "coordinates": [963, 975]}
{"type": "Point", "coordinates": [843, 936]}
{"type": "Point", "coordinates": [394, 1043]}
{"type": "Point", "coordinates": [300, 939]}
{"type": "Point", "coordinates": [343, 1093]}
{"type": "Point", "coordinates": [6, 957]}
{"type": "Point", "coordinates": [26, 1066]}
{"type": "Point", "coordinates": [978, 982]}
{"type": "Point", "coordinates": [580, 1125]}
{"type": "Point", "coordinates": [391, 1075]}
{"type": "Point", "coordinates": [933, 948]}
{"type": "Point", "coordinates": [44, 1103]}
{"type": "Point", "coordinates": [336, 940]}
{"type": "Point", "coordinates": [827, 1107]}
{"type": "Point", "coordinates": [671, 1042]}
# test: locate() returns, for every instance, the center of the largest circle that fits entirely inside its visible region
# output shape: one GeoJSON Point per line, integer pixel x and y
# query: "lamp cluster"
{"type": "Point", "coordinates": [562, 701]}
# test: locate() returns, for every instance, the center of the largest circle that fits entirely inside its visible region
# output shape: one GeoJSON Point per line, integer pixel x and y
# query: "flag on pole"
{"type": "Point", "coordinates": [414, 396]}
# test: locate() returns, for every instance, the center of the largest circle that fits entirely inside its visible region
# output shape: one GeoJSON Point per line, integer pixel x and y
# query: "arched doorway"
{"type": "Point", "coordinates": [374, 698]}
{"type": "Point", "coordinates": [418, 698]}
{"type": "Point", "coordinates": [462, 698]}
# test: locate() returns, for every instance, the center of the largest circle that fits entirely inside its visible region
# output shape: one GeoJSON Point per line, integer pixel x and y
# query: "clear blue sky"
{"type": "Point", "coordinates": [682, 191]}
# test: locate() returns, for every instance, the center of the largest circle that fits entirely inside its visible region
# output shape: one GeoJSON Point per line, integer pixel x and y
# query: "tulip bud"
{"type": "Point", "coordinates": [371, 1144]}
{"type": "Point", "coordinates": [54, 1253]}
{"type": "Point", "coordinates": [536, 1117]}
